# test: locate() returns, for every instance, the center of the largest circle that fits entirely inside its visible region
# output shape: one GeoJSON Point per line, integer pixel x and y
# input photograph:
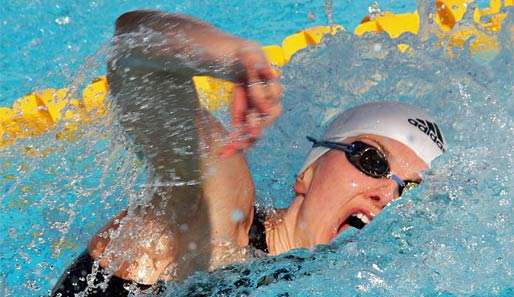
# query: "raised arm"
{"type": "Point", "coordinates": [184, 47]}
{"type": "Point", "coordinates": [176, 44]}
{"type": "Point", "coordinates": [199, 198]}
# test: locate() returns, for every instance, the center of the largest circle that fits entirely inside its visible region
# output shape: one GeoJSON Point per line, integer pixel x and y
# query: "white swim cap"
{"type": "Point", "coordinates": [402, 122]}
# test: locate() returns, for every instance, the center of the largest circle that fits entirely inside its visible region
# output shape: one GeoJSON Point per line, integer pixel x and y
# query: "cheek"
{"type": "Point", "coordinates": [336, 181]}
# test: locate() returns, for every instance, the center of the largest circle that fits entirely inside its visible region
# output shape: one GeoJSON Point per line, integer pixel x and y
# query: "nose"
{"type": "Point", "coordinates": [386, 192]}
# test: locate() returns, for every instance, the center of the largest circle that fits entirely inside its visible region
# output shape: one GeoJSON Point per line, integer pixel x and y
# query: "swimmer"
{"type": "Point", "coordinates": [201, 211]}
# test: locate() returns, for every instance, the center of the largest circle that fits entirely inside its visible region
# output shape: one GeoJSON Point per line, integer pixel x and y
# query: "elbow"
{"type": "Point", "coordinates": [130, 21]}
{"type": "Point", "coordinates": [157, 20]}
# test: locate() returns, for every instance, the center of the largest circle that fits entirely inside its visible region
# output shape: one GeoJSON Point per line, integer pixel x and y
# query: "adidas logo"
{"type": "Point", "coordinates": [430, 129]}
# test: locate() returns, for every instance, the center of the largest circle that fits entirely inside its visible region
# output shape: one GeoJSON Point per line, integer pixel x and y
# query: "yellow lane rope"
{"type": "Point", "coordinates": [40, 111]}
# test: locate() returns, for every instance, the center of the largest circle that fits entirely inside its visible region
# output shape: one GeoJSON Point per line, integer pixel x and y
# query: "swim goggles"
{"type": "Point", "coordinates": [367, 159]}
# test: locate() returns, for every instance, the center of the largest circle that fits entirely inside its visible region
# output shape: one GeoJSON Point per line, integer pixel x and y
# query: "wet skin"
{"type": "Point", "coordinates": [142, 244]}
{"type": "Point", "coordinates": [332, 189]}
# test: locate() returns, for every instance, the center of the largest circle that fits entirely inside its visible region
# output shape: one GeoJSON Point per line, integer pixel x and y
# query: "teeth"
{"type": "Point", "coordinates": [362, 217]}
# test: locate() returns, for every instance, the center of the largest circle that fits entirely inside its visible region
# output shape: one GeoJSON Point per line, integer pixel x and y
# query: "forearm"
{"type": "Point", "coordinates": [175, 43]}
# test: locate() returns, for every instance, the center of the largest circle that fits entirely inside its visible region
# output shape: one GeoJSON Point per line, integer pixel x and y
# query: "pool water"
{"type": "Point", "coordinates": [44, 43]}
{"type": "Point", "coordinates": [452, 236]}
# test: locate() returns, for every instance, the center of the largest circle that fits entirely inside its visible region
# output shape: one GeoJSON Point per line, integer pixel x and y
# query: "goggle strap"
{"type": "Point", "coordinates": [313, 140]}
{"type": "Point", "coordinates": [397, 179]}
{"type": "Point", "coordinates": [329, 144]}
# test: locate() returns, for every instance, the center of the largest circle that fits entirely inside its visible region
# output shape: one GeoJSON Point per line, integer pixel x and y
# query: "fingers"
{"type": "Point", "coordinates": [272, 114]}
{"type": "Point", "coordinates": [263, 88]}
{"type": "Point", "coordinates": [254, 126]}
{"type": "Point", "coordinates": [239, 106]}
{"type": "Point", "coordinates": [239, 109]}
{"type": "Point", "coordinates": [265, 98]}
{"type": "Point", "coordinates": [260, 77]}
{"type": "Point", "coordinates": [269, 74]}
{"type": "Point", "coordinates": [256, 102]}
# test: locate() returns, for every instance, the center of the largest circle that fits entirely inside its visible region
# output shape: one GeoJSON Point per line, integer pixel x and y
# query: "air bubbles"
{"type": "Point", "coordinates": [504, 202]}
{"type": "Point", "coordinates": [62, 21]}
{"type": "Point", "coordinates": [31, 285]}
{"type": "Point", "coordinates": [376, 267]}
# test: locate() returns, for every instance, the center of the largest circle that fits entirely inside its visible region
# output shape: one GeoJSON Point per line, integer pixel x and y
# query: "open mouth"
{"type": "Point", "coordinates": [357, 220]}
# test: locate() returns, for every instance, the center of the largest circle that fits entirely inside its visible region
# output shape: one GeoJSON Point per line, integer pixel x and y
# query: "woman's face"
{"type": "Point", "coordinates": [333, 190]}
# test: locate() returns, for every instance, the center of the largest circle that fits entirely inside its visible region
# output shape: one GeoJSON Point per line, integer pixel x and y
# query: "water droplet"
{"type": "Point", "coordinates": [237, 215]}
{"type": "Point", "coordinates": [61, 21]}
{"type": "Point", "coordinates": [192, 246]}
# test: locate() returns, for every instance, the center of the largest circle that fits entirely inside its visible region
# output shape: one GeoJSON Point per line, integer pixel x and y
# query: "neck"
{"type": "Point", "coordinates": [280, 229]}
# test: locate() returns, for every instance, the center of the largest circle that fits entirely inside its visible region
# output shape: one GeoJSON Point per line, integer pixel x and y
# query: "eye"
{"type": "Point", "coordinates": [373, 162]}
{"type": "Point", "coordinates": [409, 185]}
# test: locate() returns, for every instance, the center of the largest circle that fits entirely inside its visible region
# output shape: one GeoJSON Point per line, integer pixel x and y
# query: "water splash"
{"type": "Point", "coordinates": [329, 11]}
{"type": "Point", "coordinates": [450, 237]}
{"type": "Point", "coordinates": [453, 236]}
{"type": "Point", "coordinates": [75, 185]}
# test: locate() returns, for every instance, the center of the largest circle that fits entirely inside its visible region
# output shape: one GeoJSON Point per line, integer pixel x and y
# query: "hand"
{"type": "Point", "coordinates": [256, 103]}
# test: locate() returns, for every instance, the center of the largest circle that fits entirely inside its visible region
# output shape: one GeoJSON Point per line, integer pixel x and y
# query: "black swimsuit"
{"type": "Point", "coordinates": [74, 279]}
